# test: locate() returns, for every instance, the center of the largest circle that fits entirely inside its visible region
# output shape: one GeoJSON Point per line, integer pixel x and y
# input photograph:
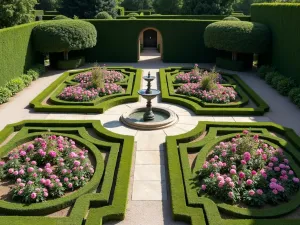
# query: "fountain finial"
{"type": "Point", "coordinates": [149, 74]}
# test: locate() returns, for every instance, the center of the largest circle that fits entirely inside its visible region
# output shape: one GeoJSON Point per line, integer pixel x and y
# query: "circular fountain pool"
{"type": "Point", "coordinates": [163, 118]}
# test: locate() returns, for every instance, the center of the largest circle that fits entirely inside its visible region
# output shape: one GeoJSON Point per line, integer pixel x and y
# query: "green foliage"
{"type": "Point", "coordinates": [103, 15]}
{"type": "Point", "coordinates": [207, 7]}
{"type": "Point", "coordinates": [64, 36]}
{"type": "Point", "coordinates": [231, 18]}
{"type": "Point", "coordinates": [60, 17]}
{"type": "Point", "coordinates": [263, 70]}
{"type": "Point", "coordinates": [16, 52]}
{"type": "Point", "coordinates": [283, 21]}
{"type": "Point", "coordinates": [132, 18]}
{"type": "Point", "coordinates": [33, 74]}
{"type": "Point", "coordinates": [275, 80]}
{"type": "Point", "coordinates": [15, 85]}
{"type": "Point", "coordinates": [48, 5]}
{"type": "Point", "coordinates": [26, 79]}
{"type": "Point", "coordinates": [83, 9]}
{"type": "Point", "coordinates": [98, 76]}
{"type": "Point", "coordinates": [136, 5]}
{"type": "Point", "coordinates": [121, 11]}
{"type": "Point", "coordinates": [230, 64]}
{"type": "Point", "coordinates": [71, 63]}
{"type": "Point", "coordinates": [294, 95]}
{"type": "Point", "coordinates": [168, 7]}
{"type": "Point", "coordinates": [40, 68]}
{"type": "Point", "coordinates": [285, 85]}
{"type": "Point", "coordinates": [269, 76]}
{"type": "Point", "coordinates": [108, 6]}
{"type": "Point", "coordinates": [14, 12]}
{"type": "Point", "coordinates": [238, 36]}
{"type": "Point", "coordinates": [5, 94]}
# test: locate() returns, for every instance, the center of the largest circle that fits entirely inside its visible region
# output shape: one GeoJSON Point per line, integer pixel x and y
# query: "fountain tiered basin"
{"type": "Point", "coordinates": [149, 118]}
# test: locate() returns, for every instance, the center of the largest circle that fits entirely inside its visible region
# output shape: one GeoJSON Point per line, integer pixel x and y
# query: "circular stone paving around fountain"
{"type": "Point", "coordinates": [163, 118]}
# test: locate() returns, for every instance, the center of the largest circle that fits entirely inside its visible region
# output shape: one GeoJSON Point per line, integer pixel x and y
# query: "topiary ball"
{"type": "Point", "coordinates": [64, 35]}
{"type": "Point", "coordinates": [231, 18]}
{"type": "Point", "coordinates": [103, 15]}
{"type": "Point", "coordinates": [60, 17]}
{"type": "Point", "coordinates": [238, 36]}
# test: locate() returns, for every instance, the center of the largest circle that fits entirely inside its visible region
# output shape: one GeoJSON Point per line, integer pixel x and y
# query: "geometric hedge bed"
{"type": "Point", "coordinates": [199, 107]}
{"type": "Point", "coordinates": [104, 197]}
{"type": "Point", "coordinates": [186, 153]}
{"type": "Point", "coordinates": [47, 101]}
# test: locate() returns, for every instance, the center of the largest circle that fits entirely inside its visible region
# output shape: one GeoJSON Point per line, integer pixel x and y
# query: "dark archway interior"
{"type": "Point", "coordinates": [150, 39]}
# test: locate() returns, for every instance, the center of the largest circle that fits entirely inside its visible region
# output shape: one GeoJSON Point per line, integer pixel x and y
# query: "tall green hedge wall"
{"type": "Point", "coordinates": [283, 20]}
{"type": "Point", "coordinates": [16, 53]}
{"type": "Point", "coordinates": [182, 40]}
{"type": "Point", "coordinates": [197, 17]}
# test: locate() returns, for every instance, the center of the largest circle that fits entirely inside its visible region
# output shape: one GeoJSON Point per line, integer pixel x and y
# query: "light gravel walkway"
{"type": "Point", "coordinates": [149, 200]}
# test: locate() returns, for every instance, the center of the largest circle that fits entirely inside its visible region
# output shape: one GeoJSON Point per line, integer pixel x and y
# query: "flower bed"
{"type": "Point", "coordinates": [209, 93]}
{"type": "Point", "coordinates": [248, 170]}
{"type": "Point", "coordinates": [110, 76]}
{"type": "Point", "coordinates": [46, 168]}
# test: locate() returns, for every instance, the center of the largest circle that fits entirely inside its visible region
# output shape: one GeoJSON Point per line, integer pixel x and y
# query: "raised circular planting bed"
{"type": "Point", "coordinates": [235, 173]}
{"type": "Point", "coordinates": [163, 118]}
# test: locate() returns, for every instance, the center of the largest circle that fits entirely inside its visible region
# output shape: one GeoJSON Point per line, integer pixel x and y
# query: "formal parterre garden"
{"type": "Point", "coordinates": [71, 167]}
{"type": "Point", "coordinates": [91, 90]}
{"type": "Point", "coordinates": [209, 92]}
{"type": "Point", "coordinates": [235, 173]}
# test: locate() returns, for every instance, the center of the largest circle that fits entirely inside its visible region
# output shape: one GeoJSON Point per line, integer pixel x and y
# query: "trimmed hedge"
{"type": "Point", "coordinates": [202, 108]}
{"type": "Point", "coordinates": [106, 192]}
{"type": "Point", "coordinates": [190, 17]}
{"type": "Point", "coordinates": [17, 54]}
{"type": "Point", "coordinates": [60, 17]}
{"type": "Point", "coordinates": [228, 64]}
{"type": "Point", "coordinates": [231, 18]}
{"type": "Point", "coordinates": [238, 36]}
{"type": "Point", "coordinates": [131, 84]}
{"type": "Point", "coordinates": [189, 32]}
{"type": "Point", "coordinates": [189, 207]}
{"type": "Point", "coordinates": [103, 15]}
{"type": "Point", "coordinates": [70, 64]}
{"type": "Point", "coordinates": [283, 20]}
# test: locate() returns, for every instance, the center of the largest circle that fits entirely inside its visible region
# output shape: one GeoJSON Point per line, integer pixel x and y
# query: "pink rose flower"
{"type": "Point", "coordinates": [242, 175]}
{"type": "Point", "coordinates": [249, 182]}
{"type": "Point", "coordinates": [251, 192]}
{"type": "Point", "coordinates": [259, 192]}
{"type": "Point", "coordinates": [203, 187]}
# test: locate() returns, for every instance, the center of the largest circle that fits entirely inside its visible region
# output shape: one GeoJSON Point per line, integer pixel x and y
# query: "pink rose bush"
{"type": "Point", "coordinates": [248, 170]}
{"type": "Point", "coordinates": [89, 88]}
{"type": "Point", "coordinates": [205, 86]}
{"type": "Point", "coordinates": [49, 167]}
{"type": "Point", "coordinates": [219, 95]}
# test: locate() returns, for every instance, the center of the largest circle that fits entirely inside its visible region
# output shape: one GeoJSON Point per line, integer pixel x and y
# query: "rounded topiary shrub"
{"type": "Point", "coordinates": [238, 36]}
{"type": "Point", "coordinates": [294, 95]}
{"type": "Point", "coordinates": [103, 15]}
{"type": "Point", "coordinates": [60, 17]}
{"type": "Point", "coordinates": [231, 18]}
{"type": "Point", "coordinates": [64, 36]}
{"type": "Point", "coordinates": [5, 94]}
{"type": "Point", "coordinates": [276, 79]}
{"type": "Point", "coordinates": [15, 85]}
{"type": "Point", "coordinates": [132, 18]}
{"type": "Point", "coordinates": [270, 76]}
{"type": "Point", "coordinates": [133, 14]}
{"type": "Point", "coordinates": [26, 79]}
{"type": "Point", "coordinates": [263, 70]}
{"type": "Point", "coordinates": [285, 85]}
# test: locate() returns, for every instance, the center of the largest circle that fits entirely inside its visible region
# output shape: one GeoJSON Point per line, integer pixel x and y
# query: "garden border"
{"type": "Point", "coordinates": [190, 209]}
{"type": "Point", "coordinates": [167, 96]}
{"type": "Point", "coordinates": [129, 96]}
{"type": "Point", "coordinates": [109, 203]}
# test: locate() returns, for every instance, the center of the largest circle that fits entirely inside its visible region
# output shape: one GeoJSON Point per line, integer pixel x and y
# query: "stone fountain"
{"type": "Point", "coordinates": [149, 118]}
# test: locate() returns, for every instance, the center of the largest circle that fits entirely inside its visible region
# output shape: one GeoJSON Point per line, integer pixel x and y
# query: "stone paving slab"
{"type": "Point", "coordinates": [149, 190]}
{"type": "Point", "coordinates": [150, 140]}
{"type": "Point", "coordinates": [149, 172]}
{"type": "Point", "coordinates": [149, 158]}
{"type": "Point", "coordinates": [224, 119]}
{"type": "Point", "coordinates": [251, 119]}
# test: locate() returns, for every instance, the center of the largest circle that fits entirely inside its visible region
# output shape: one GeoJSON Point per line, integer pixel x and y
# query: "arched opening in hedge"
{"type": "Point", "coordinates": [150, 38]}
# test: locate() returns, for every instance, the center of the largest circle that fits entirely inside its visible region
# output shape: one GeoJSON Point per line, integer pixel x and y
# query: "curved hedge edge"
{"type": "Point", "coordinates": [177, 188]}
{"type": "Point", "coordinates": [115, 211]}
{"type": "Point", "coordinates": [38, 106]}
{"type": "Point", "coordinates": [261, 108]}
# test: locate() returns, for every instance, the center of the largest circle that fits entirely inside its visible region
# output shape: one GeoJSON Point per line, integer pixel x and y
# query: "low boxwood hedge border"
{"type": "Point", "coordinates": [132, 85]}
{"type": "Point", "coordinates": [188, 206]}
{"type": "Point", "coordinates": [201, 108]}
{"type": "Point", "coordinates": [107, 191]}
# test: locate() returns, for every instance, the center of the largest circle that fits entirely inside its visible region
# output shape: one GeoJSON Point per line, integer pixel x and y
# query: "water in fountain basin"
{"type": "Point", "coordinates": [138, 117]}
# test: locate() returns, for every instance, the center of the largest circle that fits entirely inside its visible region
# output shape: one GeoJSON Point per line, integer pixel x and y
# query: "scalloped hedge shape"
{"type": "Point", "coordinates": [103, 198]}
{"type": "Point", "coordinates": [199, 107]}
{"type": "Point", "coordinates": [188, 206]}
{"type": "Point", "coordinates": [131, 84]}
